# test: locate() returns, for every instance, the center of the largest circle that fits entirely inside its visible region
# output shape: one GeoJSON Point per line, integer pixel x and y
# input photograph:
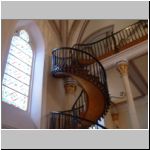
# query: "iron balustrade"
{"type": "Point", "coordinates": [74, 61]}
{"type": "Point", "coordinates": [69, 120]}
{"type": "Point", "coordinates": [117, 41]}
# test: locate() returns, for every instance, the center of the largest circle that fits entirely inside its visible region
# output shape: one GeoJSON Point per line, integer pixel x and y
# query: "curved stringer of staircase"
{"type": "Point", "coordinates": [90, 74]}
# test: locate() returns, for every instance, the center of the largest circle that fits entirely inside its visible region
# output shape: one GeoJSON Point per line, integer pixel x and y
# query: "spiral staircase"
{"type": "Point", "coordinates": [81, 62]}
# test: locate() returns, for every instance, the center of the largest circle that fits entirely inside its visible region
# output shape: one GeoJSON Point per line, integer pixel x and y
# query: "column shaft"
{"type": "Point", "coordinates": [131, 105]}
{"type": "Point", "coordinates": [123, 70]}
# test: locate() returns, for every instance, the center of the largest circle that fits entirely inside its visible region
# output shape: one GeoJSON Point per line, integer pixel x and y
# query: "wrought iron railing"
{"type": "Point", "coordinates": [69, 120]}
{"type": "Point", "coordinates": [68, 61]}
{"type": "Point", "coordinates": [81, 102]}
{"type": "Point", "coordinates": [118, 41]}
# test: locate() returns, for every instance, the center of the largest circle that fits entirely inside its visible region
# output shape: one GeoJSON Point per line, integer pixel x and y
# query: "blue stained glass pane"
{"type": "Point", "coordinates": [15, 84]}
{"type": "Point", "coordinates": [22, 45]}
{"type": "Point", "coordinates": [22, 77]}
{"type": "Point", "coordinates": [14, 98]}
{"type": "Point", "coordinates": [19, 54]}
{"type": "Point", "coordinates": [18, 64]}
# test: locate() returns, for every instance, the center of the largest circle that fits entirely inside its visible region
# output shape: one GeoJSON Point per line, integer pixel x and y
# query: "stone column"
{"type": "Point", "coordinates": [108, 120]}
{"type": "Point", "coordinates": [114, 116]}
{"type": "Point", "coordinates": [122, 67]}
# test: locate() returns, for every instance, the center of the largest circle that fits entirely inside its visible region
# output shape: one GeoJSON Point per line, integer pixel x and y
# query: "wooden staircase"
{"type": "Point", "coordinates": [82, 64]}
{"type": "Point", "coordinates": [66, 62]}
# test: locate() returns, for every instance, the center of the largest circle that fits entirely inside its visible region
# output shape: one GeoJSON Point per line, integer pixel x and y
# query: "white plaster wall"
{"type": "Point", "coordinates": [124, 118]}
{"type": "Point", "coordinates": [114, 81]}
{"type": "Point", "coordinates": [71, 98]}
{"type": "Point", "coordinates": [116, 86]}
{"type": "Point", "coordinates": [53, 90]}
{"type": "Point", "coordinates": [15, 118]}
{"type": "Point", "coordinates": [142, 113]}
{"type": "Point", "coordinates": [60, 100]}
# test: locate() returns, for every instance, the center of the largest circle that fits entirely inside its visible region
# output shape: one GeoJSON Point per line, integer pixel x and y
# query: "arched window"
{"type": "Point", "coordinates": [17, 75]}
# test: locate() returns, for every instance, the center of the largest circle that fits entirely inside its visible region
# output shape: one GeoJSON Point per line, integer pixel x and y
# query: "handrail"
{"type": "Point", "coordinates": [116, 42]}
{"type": "Point", "coordinates": [109, 35]}
{"type": "Point", "coordinates": [77, 100]}
{"type": "Point", "coordinates": [81, 102]}
{"type": "Point", "coordinates": [76, 120]}
{"type": "Point", "coordinates": [78, 50]}
{"type": "Point", "coordinates": [66, 111]}
{"type": "Point", "coordinates": [96, 74]}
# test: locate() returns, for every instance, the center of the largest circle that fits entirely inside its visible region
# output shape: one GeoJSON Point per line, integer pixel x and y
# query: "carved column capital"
{"type": "Point", "coordinates": [70, 88]}
{"type": "Point", "coordinates": [70, 85]}
{"type": "Point", "coordinates": [122, 68]}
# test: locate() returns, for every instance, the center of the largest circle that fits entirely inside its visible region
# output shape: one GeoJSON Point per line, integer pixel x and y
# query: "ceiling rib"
{"type": "Point", "coordinates": [56, 30]}
{"type": "Point", "coordinates": [72, 30]}
{"type": "Point", "coordinates": [84, 26]}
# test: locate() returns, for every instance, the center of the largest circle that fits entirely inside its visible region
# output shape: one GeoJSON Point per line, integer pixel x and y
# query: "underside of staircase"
{"type": "Point", "coordinates": [82, 63]}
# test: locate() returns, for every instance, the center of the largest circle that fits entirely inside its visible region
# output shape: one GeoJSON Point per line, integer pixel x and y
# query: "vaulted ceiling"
{"type": "Point", "coordinates": [66, 30]}
{"type": "Point", "coordinates": [70, 32]}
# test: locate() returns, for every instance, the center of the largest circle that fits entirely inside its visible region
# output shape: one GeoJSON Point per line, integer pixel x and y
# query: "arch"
{"type": "Point", "coordinates": [37, 85]}
{"type": "Point", "coordinates": [99, 34]}
{"type": "Point", "coordinates": [38, 46]}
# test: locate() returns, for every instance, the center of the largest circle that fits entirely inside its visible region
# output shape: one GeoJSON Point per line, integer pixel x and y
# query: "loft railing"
{"type": "Point", "coordinates": [118, 41]}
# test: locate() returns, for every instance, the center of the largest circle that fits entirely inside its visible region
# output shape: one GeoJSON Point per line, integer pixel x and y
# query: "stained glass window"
{"type": "Point", "coordinates": [17, 75]}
